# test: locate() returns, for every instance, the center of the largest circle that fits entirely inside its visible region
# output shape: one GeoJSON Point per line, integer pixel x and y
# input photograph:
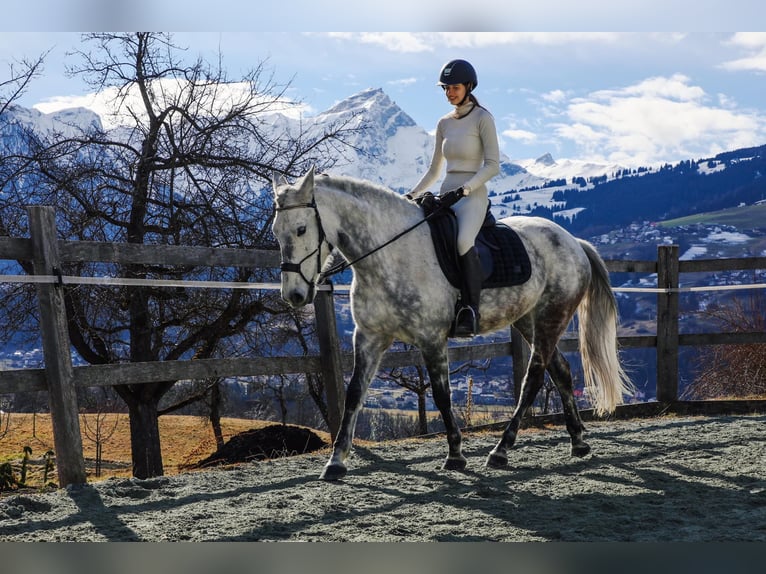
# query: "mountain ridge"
{"type": "Point", "coordinates": [584, 196]}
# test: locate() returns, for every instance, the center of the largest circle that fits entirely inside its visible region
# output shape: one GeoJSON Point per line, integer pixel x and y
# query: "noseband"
{"type": "Point", "coordinates": [296, 267]}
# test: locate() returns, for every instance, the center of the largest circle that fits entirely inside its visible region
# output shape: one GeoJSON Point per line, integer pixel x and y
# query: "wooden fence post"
{"type": "Point", "coordinates": [59, 374]}
{"type": "Point", "coordinates": [667, 323]}
{"type": "Point", "coordinates": [329, 357]}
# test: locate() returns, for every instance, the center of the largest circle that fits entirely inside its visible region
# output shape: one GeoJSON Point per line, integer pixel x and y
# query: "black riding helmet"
{"type": "Point", "coordinates": [458, 72]}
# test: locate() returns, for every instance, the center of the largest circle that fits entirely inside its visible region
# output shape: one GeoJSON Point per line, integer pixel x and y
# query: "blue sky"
{"type": "Point", "coordinates": [632, 97]}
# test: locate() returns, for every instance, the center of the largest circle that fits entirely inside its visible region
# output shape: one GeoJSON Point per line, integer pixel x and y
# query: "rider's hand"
{"type": "Point", "coordinates": [450, 198]}
{"type": "Point", "coordinates": [428, 202]}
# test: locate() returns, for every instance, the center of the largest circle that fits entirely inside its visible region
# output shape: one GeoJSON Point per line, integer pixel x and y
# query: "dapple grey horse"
{"type": "Point", "coordinates": [399, 292]}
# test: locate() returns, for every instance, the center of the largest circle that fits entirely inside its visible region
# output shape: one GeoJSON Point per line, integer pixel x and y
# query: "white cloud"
{"type": "Point", "coordinates": [403, 82]}
{"type": "Point", "coordinates": [754, 43]}
{"type": "Point", "coordinates": [655, 121]}
{"type": "Point", "coordinates": [394, 41]}
{"type": "Point", "coordinates": [524, 136]}
{"type": "Point", "coordinates": [675, 88]}
{"type": "Point", "coordinates": [555, 96]}
{"type": "Point", "coordinates": [116, 109]}
{"type": "Point", "coordinates": [412, 42]}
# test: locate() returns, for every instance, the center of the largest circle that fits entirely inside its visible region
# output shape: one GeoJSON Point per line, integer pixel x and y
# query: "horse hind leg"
{"type": "Point", "coordinates": [530, 386]}
{"type": "Point", "coordinates": [561, 374]}
{"type": "Point", "coordinates": [544, 356]}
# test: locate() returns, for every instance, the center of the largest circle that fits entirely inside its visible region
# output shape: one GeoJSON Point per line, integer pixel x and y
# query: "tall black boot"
{"type": "Point", "coordinates": [467, 318]}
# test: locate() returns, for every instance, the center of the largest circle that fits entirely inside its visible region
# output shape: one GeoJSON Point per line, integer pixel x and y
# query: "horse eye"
{"type": "Point", "coordinates": [301, 230]}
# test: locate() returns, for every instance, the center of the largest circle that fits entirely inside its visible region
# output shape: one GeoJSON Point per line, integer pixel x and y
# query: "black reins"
{"type": "Point", "coordinates": [340, 267]}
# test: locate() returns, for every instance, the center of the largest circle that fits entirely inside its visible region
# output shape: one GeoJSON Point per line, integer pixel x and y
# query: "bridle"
{"type": "Point", "coordinates": [342, 266]}
{"type": "Point", "coordinates": [297, 267]}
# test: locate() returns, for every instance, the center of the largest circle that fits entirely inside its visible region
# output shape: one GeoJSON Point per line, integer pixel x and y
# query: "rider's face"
{"type": "Point", "coordinates": [455, 93]}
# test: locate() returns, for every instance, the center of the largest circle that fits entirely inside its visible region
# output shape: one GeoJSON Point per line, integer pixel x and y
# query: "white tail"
{"type": "Point", "coordinates": [605, 381]}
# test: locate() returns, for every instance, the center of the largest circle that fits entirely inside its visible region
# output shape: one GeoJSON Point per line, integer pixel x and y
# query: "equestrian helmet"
{"type": "Point", "coordinates": [458, 72]}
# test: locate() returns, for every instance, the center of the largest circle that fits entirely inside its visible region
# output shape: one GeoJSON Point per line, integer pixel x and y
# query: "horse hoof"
{"type": "Point", "coordinates": [580, 450]}
{"type": "Point", "coordinates": [333, 472]}
{"type": "Point", "coordinates": [455, 464]}
{"type": "Point", "coordinates": [495, 460]}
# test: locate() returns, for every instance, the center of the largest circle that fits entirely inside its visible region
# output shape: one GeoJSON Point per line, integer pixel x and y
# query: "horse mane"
{"type": "Point", "coordinates": [363, 190]}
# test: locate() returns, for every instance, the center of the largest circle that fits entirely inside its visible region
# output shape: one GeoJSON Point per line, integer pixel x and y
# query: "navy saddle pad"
{"type": "Point", "coordinates": [504, 258]}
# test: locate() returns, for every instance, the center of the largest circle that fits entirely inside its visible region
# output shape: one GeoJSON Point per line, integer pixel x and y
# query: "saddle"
{"type": "Point", "coordinates": [504, 258]}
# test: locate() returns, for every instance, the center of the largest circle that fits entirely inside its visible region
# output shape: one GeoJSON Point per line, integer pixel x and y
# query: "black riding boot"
{"type": "Point", "coordinates": [467, 318]}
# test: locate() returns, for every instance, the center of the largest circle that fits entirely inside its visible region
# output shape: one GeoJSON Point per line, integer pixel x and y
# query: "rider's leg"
{"type": "Point", "coordinates": [470, 211]}
{"type": "Point", "coordinates": [467, 319]}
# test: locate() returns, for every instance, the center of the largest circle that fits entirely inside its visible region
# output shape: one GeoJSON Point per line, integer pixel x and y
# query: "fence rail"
{"type": "Point", "coordinates": [60, 378]}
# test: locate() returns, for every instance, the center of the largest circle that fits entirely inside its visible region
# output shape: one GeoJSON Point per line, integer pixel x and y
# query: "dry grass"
{"type": "Point", "coordinates": [184, 440]}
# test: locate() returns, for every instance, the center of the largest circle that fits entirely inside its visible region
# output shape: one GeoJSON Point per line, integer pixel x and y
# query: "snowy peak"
{"type": "Point", "coordinates": [548, 168]}
{"type": "Point", "coordinates": [67, 121]}
{"type": "Point", "coordinates": [391, 149]}
{"type": "Point", "coordinates": [375, 105]}
{"type": "Point", "coordinates": [545, 160]}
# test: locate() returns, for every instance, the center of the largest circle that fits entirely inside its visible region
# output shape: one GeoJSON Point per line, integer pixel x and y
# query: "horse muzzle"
{"type": "Point", "coordinates": [298, 297]}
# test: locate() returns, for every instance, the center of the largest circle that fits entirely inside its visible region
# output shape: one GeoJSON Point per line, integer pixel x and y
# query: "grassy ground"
{"type": "Point", "coordinates": [184, 440]}
{"type": "Point", "coordinates": [747, 217]}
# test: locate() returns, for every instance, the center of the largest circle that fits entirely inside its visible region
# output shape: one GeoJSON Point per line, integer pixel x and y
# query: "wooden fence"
{"type": "Point", "coordinates": [60, 378]}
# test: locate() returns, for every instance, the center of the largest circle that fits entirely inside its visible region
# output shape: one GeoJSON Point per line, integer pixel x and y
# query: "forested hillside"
{"type": "Point", "coordinates": [686, 188]}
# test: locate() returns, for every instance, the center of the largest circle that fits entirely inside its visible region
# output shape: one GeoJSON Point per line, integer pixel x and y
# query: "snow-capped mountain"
{"type": "Point", "coordinates": [391, 149]}
{"type": "Point", "coordinates": [547, 168]}
{"type": "Point", "coordinates": [68, 122]}
{"type": "Point", "coordinates": [394, 151]}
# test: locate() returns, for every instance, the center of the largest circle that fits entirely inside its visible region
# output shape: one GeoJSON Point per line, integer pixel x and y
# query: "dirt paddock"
{"type": "Point", "coordinates": [660, 479]}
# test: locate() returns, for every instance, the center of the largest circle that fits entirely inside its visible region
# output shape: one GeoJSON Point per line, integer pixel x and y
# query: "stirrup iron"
{"type": "Point", "coordinates": [466, 326]}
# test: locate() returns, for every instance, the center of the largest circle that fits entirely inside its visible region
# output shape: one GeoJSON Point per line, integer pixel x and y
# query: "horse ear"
{"type": "Point", "coordinates": [277, 179]}
{"type": "Point", "coordinates": [307, 184]}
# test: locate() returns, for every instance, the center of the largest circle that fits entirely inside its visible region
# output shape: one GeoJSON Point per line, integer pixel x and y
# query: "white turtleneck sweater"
{"type": "Point", "coordinates": [467, 139]}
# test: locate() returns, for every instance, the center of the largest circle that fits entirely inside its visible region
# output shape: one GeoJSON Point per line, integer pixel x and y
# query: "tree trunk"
{"type": "Point", "coordinates": [145, 439]}
{"type": "Point", "coordinates": [215, 414]}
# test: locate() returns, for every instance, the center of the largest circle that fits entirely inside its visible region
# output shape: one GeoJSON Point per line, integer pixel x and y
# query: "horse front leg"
{"type": "Point", "coordinates": [368, 351]}
{"type": "Point", "coordinates": [437, 364]}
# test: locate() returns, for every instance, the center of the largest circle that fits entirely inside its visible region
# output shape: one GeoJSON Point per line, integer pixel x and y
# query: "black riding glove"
{"type": "Point", "coordinates": [450, 198]}
{"type": "Point", "coordinates": [429, 202]}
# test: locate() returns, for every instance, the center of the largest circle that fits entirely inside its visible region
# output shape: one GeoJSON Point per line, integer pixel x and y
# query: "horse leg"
{"type": "Point", "coordinates": [368, 351]}
{"type": "Point", "coordinates": [562, 377]}
{"type": "Point", "coordinates": [437, 364]}
{"type": "Point", "coordinates": [530, 386]}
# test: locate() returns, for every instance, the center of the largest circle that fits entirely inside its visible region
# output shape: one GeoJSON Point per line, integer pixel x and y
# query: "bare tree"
{"type": "Point", "coordinates": [467, 411]}
{"type": "Point", "coordinates": [415, 379]}
{"type": "Point", "coordinates": [189, 164]}
{"type": "Point", "coordinates": [100, 418]}
{"type": "Point", "coordinates": [727, 371]}
{"type": "Point", "coordinates": [20, 74]}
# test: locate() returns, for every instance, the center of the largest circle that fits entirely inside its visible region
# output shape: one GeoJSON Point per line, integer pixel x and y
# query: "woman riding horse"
{"type": "Point", "coordinates": [466, 138]}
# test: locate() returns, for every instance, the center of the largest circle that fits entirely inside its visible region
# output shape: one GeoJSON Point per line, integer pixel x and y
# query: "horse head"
{"type": "Point", "coordinates": [302, 244]}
